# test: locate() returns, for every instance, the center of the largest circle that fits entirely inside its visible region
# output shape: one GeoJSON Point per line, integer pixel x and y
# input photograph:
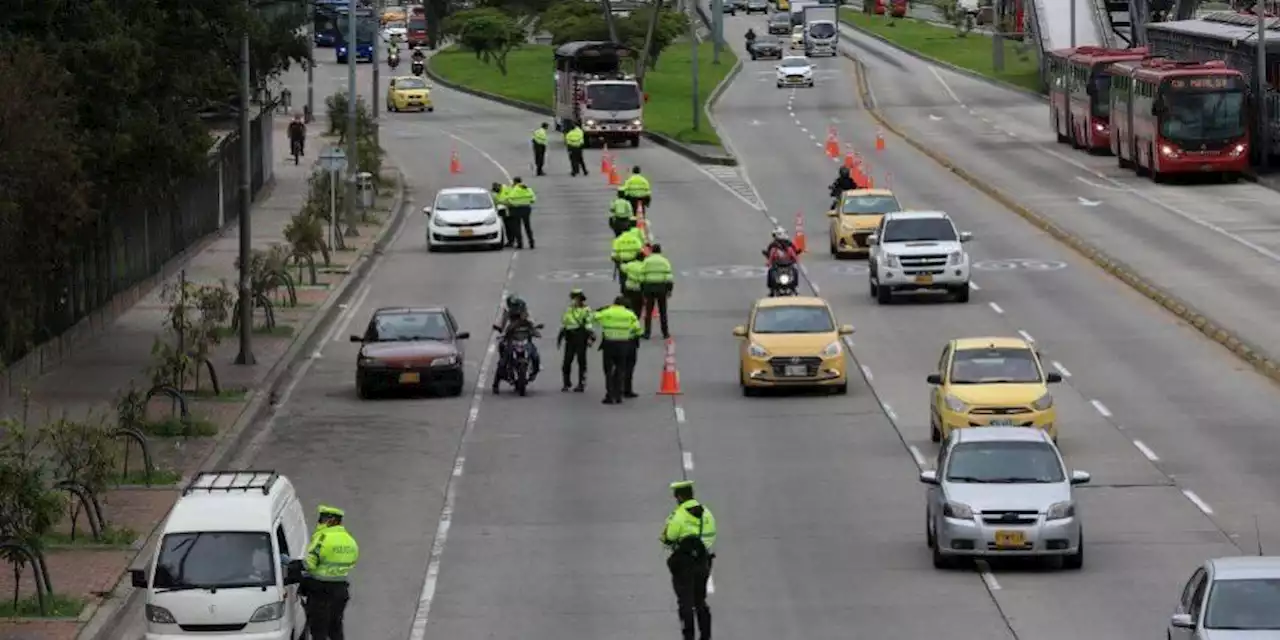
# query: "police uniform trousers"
{"type": "Point", "coordinates": [635, 300]}
{"type": "Point", "coordinates": [326, 608]}
{"type": "Point", "coordinates": [576, 163]}
{"type": "Point", "coordinates": [508, 225]}
{"type": "Point", "coordinates": [539, 157]}
{"type": "Point", "coordinates": [575, 348]}
{"type": "Point", "coordinates": [689, 580]}
{"type": "Point", "coordinates": [520, 215]}
{"type": "Point", "coordinates": [655, 296]}
{"type": "Point", "coordinates": [620, 225]}
{"type": "Point", "coordinates": [619, 362]}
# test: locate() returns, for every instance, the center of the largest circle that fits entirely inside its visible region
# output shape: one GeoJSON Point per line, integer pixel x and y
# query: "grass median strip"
{"type": "Point", "coordinates": [973, 51]}
{"type": "Point", "coordinates": [670, 86]}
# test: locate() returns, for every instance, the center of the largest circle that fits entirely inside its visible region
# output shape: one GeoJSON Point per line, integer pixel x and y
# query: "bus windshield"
{"type": "Point", "coordinates": [1197, 116]}
{"type": "Point", "coordinates": [1100, 101]}
{"type": "Point", "coordinates": [366, 28]}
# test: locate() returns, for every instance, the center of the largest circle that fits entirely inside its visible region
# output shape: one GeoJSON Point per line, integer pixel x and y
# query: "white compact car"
{"type": "Point", "coordinates": [464, 217]}
{"type": "Point", "coordinates": [795, 71]}
{"type": "Point", "coordinates": [395, 31]}
{"type": "Point", "coordinates": [918, 251]}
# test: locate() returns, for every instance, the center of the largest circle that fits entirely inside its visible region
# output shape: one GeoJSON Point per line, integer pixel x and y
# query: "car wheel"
{"type": "Point", "coordinates": [390, 108]}
{"type": "Point", "coordinates": [635, 142]}
{"type": "Point", "coordinates": [779, 85]}
{"type": "Point", "coordinates": [871, 287]}
{"type": "Point", "coordinates": [842, 389]}
{"type": "Point", "coordinates": [962, 294]}
{"type": "Point", "coordinates": [455, 390]}
{"type": "Point", "coordinates": [1075, 561]}
{"type": "Point", "coordinates": [884, 295]}
{"type": "Point", "coordinates": [431, 109]}
{"type": "Point", "coordinates": [431, 247]}
{"type": "Point", "coordinates": [362, 390]}
{"type": "Point", "coordinates": [935, 433]}
{"type": "Point", "coordinates": [834, 253]}
{"type": "Point", "coordinates": [940, 561]}
{"type": "Point", "coordinates": [929, 539]}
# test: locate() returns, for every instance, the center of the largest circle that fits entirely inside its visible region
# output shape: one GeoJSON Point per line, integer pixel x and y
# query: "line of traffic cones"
{"type": "Point", "coordinates": [670, 383]}
{"type": "Point", "coordinates": [455, 163]}
{"type": "Point", "coordinates": [799, 240]}
{"type": "Point", "coordinates": [606, 161]}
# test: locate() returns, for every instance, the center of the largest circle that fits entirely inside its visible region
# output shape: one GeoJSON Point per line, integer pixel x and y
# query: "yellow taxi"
{"type": "Point", "coordinates": [792, 341]}
{"type": "Point", "coordinates": [783, 5]}
{"type": "Point", "coordinates": [991, 382]}
{"type": "Point", "coordinates": [408, 93]}
{"type": "Point", "coordinates": [856, 217]}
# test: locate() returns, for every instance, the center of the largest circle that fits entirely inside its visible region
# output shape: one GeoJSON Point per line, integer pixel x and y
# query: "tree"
{"type": "Point", "coordinates": [489, 32]}
{"type": "Point", "coordinates": [581, 20]}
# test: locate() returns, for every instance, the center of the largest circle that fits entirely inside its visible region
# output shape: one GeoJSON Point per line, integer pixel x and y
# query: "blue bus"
{"type": "Point", "coordinates": [366, 32]}
{"type": "Point", "coordinates": [326, 21]}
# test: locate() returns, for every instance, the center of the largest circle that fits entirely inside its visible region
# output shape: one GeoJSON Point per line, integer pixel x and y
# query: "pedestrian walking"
{"type": "Point", "coordinates": [690, 533]}
{"type": "Point", "coordinates": [659, 281]}
{"type": "Point", "coordinates": [576, 334]}
{"type": "Point", "coordinates": [331, 555]}
{"type": "Point", "coordinates": [520, 199]}
{"type": "Point", "coordinates": [574, 140]}
{"type": "Point", "coordinates": [540, 148]}
{"type": "Point", "coordinates": [619, 329]}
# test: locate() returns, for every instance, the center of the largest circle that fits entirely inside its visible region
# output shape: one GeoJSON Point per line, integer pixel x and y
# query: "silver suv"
{"type": "Point", "coordinates": [1002, 491]}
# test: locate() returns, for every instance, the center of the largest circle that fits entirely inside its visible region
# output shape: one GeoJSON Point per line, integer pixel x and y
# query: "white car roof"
{"type": "Point", "coordinates": [907, 215]}
{"type": "Point", "coordinates": [455, 190]}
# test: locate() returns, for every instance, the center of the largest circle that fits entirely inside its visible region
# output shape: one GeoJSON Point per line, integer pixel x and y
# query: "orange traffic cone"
{"type": "Point", "coordinates": [833, 147]}
{"type": "Point", "coordinates": [606, 162]}
{"type": "Point", "coordinates": [848, 161]}
{"type": "Point", "coordinates": [670, 385]}
{"type": "Point", "coordinates": [614, 180]}
{"type": "Point", "coordinates": [799, 241]}
{"type": "Point", "coordinates": [455, 163]}
{"type": "Point", "coordinates": [879, 139]}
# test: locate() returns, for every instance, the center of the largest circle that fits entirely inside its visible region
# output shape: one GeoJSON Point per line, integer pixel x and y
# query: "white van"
{"type": "Point", "coordinates": [219, 568]}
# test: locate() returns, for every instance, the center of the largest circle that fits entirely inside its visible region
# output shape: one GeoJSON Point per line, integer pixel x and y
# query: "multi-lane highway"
{"type": "Point", "coordinates": [498, 517]}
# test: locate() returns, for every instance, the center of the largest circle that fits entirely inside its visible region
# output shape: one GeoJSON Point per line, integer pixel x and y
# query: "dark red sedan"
{"type": "Point", "coordinates": [411, 349]}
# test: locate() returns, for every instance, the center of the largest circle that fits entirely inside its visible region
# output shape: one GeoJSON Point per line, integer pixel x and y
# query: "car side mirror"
{"type": "Point", "coordinates": [966, 236]}
{"type": "Point", "coordinates": [1182, 621]}
{"type": "Point", "coordinates": [464, 335]}
{"type": "Point", "coordinates": [832, 213]}
{"type": "Point", "coordinates": [138, 577]}
{"type": "Point", "coordinates": [293, 572]}
{"type": "Point", "coordinates": [1053, 378]}
{"type": "Point", "coordinates": [1080, 477]}
{"type": "Point", "coordinates": [873, 239]}
{"type": "Point", "coordinates": [426, 211]}
{"type": "Point", "coordinates": [934, 378]}
{"type": "Point", "coordinates": [740, 331]}
{"type": "Point", "coordinates": [846, 329]}
{"type": "Point", "coordinates": [357, 339]}
{"type": "Point", "coordinates": [929, 477]}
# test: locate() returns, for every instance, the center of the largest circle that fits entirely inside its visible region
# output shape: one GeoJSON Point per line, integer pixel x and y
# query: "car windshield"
{"type": "Point", "coordinates": [919, 230]}
{"type": "Point", "coordinates": [822, 30]}
{"type": "Point", "coordinates": [780, 18]}
{"type": "Point", "coordinates": [795, 319]}
{"type": "Point", "coordinates": [1195, 117]}
{"type": "Point", "coordinates": [766, 40]}
{"type": "Point", "coordinates": [418, 24]}
{"type": "Point", "coordinates": [988, 366]}
{"type": "Point", "coordinates": [464, 201]}
{"type": "Point", "coordinates": [613, 97]}
{"type": "Point", "coordinates": [412, 83]}
{"type": "Point", "coordinates": [856, 205]}
{"type": "Point", "coordinates": [795, 63]}
{"type": "Point", "coordinates": [1251, 604]}
{"type": "Point", "coordinates": [215, 560]}
{"type": "Point", "coordinates": [409, 326]}
{"type": "Point", "coordinates": [1008, 462]}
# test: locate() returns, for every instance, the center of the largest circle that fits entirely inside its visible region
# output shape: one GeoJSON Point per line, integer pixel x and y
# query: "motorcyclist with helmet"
{"type": "Point", "coordinates": [516, 325]}
{"type": "Point", "coordinates": [844, 182]}
{"type": "Point", "coordinates": [419, 63]}
{"type": "Point", "coordinates": [780, 252]}
{"type": "Point", "coordinates": [751, 36]}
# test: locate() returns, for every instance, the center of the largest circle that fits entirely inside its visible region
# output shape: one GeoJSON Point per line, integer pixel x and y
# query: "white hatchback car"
{"type": "Point", "coordinates": [464, 217]}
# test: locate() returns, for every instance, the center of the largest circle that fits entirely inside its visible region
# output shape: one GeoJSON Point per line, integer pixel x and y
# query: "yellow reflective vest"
{"type": "Point", "coordinates": [520, 195]}
{"type": "Point", "coordinates": [575, 138]}
{"type": "Point", "coordinates": [634, 272]}
{"type": "Point", "coordinates": [657, 269]}
{"type": "Point", "coordinates": [637, 186]}
{"type": "Point", "coordinates": [628, 245]}
{"type": "Point", "coordinates": [540, 136]}
{"type": "Point", "coordinates": [332, 554]}
{"type": "Point", "coordinates": [618, 323]}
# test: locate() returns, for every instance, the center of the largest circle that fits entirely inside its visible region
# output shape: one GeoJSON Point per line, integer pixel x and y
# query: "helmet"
{"type": "Point", "coordinates": [779, 233]}
{"type": "Point", "coordinates": [844, 172]}
{"type": "Point", "coordinates": [514, 301]}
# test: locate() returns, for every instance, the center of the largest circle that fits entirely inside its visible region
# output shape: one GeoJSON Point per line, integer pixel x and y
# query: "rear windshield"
{"type": "Point", "coordinates": [418, 24]}
{"type": "Point", "coordinates": [854, 205]}
{"type": "Point", "coordinates": [1008, 462]}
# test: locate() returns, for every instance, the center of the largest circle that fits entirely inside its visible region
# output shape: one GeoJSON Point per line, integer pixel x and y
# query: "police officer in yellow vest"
{"type": "Point", "coordinates": [690, 533]}
{"type": "Point", "coordinates": [619, 330]}
{"type": "Point", "coordinates": [659, 280]}
{"type": "Point", "coordinates": [576, 333]}
{"type": "Point", "coordinates": [574, 140]}
{"type": "Point", "coordinates": [638, 189]}
{"type": "Point", "coordinates": [500, 201]}
{"type": "Point", "coordinates": [632, 285]}
{"type": "Point", "coordinates": [627, 247]}
{"type": "Point", "coordinates": [520, 199]}
{"type": "Point", "coordinates": [331, 555]}
{"type": "Point", "coordinates": [621, 216]}
{"type": "Point", "coordinates": [540, 148]}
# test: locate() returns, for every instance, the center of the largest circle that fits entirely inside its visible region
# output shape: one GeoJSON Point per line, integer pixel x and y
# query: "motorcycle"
{"type": "Point", "coordinates": [418, 67]}
{"type": "Point", "coordinates": [519, 365]}
{"type": "Point", "coordinates": [393, 60]}
{"type": "Point", "coordinates": [786, 279]}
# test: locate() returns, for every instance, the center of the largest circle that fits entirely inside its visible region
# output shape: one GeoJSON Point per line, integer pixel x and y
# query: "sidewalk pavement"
{"type": "Point", "coordinates": [89, 381]}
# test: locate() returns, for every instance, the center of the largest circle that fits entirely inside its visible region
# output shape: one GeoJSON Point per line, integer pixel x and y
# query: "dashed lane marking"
{"type": "Point", "coordinates": [1198, 502]}
{"type": "Point", "coordinates": [732, 179]}
{"type": "Point", "coordinates": [1061, 369]}
{"type": "Point", "coordinates": [995, 307]}
{"type": "Point", "coordinates": [917, 456]}
{"type": "Point", "coordinates": [1146, 451]}
{"type": "Point", "coordinates": [1102, 408]}
{"type": "Point", "coordinates": [688, 461]}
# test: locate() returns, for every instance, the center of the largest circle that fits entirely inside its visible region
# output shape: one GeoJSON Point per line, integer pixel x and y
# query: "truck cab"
{"type": "Point", "coordinates": [592, 90]}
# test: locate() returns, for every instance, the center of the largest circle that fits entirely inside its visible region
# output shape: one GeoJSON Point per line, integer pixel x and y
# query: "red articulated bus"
{"type": "Point", "coordinates": [1079, 94]}
{"type": "Point", "coordinates": [1180, 117]}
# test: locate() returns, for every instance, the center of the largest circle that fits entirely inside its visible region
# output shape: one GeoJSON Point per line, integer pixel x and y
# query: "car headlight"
{"type": "Point", "coordinates": [955, 258]}
{"type": "Point", "coordinates": [957, 510]}
{"type": "Point", "coordinates": [891, 261]}
{"type": "Point", "coordinates": [268, 612]}
{"type": "Point", "coordinates": [369, 362]}
{"type": "Point", "coordinates": [493, 219]}
{"type": "Point", "coordinates": [1061, 511]}
{"type": "Point", "coordinates": [955, 404]}
{"type": "Point", "coordinates": [447, 361]}
{"type": "Point", "coordinates": [1043, 402]}
{"type": "Point", "coordinates": [636, 122]}
{"type": "Point", "coordinates": [757, 351]}
{"type": "Point", "coordinates": [832, 350]}
{"type": "Point", "coordinates": [159, 615]}
{"type": "Point", "coordinates": [342, 50]}
{"type": "Point", "coordinates": [590, 122]}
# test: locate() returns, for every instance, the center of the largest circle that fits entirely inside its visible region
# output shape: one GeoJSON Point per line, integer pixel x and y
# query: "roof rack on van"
{"type": "Point", "coordinates": [233, 480]}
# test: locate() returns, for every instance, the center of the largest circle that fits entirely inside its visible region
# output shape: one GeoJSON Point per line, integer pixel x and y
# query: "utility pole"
{"type": "Point", "coordinates": [997, 37]}
{"type": "Point", "coordinates": [656, 7]}
{"type": "Point", "coordinates": [717, 28]}
{"type": "Point", "coordinates": [377, 66]}
{"type": "Point", "coordinates": [693, 37]}
{"type": "Point", "coordinates": [608, 20]}
{"type": "Point", "coordinates": [311, 60]}
{"type": "Point", "coordinates": [1073, 24]}
{"type": "Point", "coordinates": [1260, 88]}
{"type": "Point", "coordinates": [246, 203]}
{"type": "Point", "coordinates": [353, 159]}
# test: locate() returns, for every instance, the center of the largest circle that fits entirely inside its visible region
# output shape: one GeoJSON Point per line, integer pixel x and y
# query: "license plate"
{"type": "Point", "coordinates": [412, 377]}
{"type": "Point", "coordinates": [796, 370]}
{"type": "Point", "coordinates": [1001, 422]}
{"type": "Point", "coordinates": [924, 279]}
{"type": "Point", "coordinates": [1009, 539]}
{"type": "Point", "coordinates": [466, 232]}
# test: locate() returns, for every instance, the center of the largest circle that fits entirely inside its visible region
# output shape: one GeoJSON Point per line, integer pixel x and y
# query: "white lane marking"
{"type": "Point", "coordinates": [680, 414]}
{"type": "Point", "coordinates": [350, 314]}
{"type": "Point", "coordinates": [711, 584]}
{"type": "Point", "coordinates": [1146, 451]}
{"type": "Point", "coordinates": [1061, 369]}
{"type": "Point", "coordinates": [1198, 502]}
{"type": "Point", "coordinates": [985, 569]}
{"type": "Point", "coordinates": [1026, 336]}
{"type": "Point", "coordinates": [973, 285]}
{"type": "Point", "coordinates": [888, 411]}
{"type": "Point", "coordinates": [688, 461]}
{"type": "Point", "coordinates": [813, 137]}
{"type": "Point", "coordinates": [995, 307]}
{"type": "Point", "coordinates": [818, 145]}
{"type": "Point", "coordinates": [1102, 408]}
{"type": "Point", "coordinates": [866, 371]}
{"type": "Point", "coordinates": [814, 286]}
{"type": "Point", "coordinates": [946, 86]}
{"type": "Point", "coordinates": [804, 129]}
{"type": "Point", "coordinates": [418, 630]}
{"type": "Point", "coordinates": [919, 457]}
{"type": "Point", "coordinates": [742, 173]}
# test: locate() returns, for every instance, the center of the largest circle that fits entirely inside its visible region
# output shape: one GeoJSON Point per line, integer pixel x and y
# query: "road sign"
{"type": "Point", "coordinates": [334, 159]}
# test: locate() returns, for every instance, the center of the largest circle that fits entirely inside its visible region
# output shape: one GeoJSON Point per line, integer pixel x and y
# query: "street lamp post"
{"type": "Point", "coordinates": [246, 181]}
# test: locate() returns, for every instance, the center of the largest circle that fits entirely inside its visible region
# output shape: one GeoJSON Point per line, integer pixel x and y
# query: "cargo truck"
{"type": "Point", "coordinates": [592, 90]}
{"type": "Point", "coordinates": [797, 11]}
{"type": "Point", "coordinates": [821, 30]}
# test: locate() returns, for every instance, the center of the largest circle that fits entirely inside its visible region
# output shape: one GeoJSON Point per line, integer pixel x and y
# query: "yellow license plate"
{"type": "Point", "coordinates": [412, 377]}
{"type": "Point", "coordinates": [1010, 539]}
{"type": "Point", "coordinates": [924, 279]}
{"type": "Point", "coordinates": [466, 232]}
